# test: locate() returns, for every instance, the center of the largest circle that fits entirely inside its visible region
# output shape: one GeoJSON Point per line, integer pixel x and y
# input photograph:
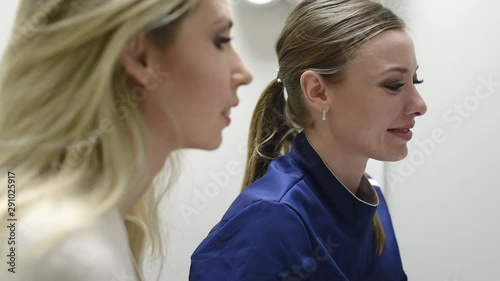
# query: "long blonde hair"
{"type": "Point", "coordinates": [69, 122]}
{"type": "Point", "coordinates": [320, 35]}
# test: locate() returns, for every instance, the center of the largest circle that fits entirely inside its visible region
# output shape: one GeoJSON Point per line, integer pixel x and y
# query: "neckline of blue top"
{"type": "Point", "coordinates": [328, 186]}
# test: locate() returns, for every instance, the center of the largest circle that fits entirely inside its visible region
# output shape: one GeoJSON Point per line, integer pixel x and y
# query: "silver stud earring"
{"type": "Point", "coordinates": [323, 116]}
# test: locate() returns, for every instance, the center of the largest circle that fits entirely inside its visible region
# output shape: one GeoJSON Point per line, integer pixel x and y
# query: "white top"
{"type": "Point", "coordinates": [99, 251]}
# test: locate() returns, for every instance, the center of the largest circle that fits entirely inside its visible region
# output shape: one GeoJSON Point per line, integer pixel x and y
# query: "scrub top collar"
{"type": "Point", "coordinates": [356, 208]}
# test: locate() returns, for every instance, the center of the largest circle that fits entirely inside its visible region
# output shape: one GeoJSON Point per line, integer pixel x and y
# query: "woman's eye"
{"type": "Point", "coordinates": [220, 41]}
{"type": "Point", "coordinates": [394, 86]}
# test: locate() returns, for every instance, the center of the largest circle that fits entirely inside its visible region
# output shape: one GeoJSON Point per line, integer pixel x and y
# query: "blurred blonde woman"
{"type": "Point", "coordinates": [94, 96]}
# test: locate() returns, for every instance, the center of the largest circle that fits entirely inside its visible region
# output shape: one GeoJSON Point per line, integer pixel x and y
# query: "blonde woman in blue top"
{"type": "Point", "coordinates": [345, 93]}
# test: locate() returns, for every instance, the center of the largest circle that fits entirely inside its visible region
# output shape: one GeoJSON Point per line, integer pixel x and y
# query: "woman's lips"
{"type": "Point", "coordinates": [404, 133]}
{"type": "Point", "coordinates": [226, 114]}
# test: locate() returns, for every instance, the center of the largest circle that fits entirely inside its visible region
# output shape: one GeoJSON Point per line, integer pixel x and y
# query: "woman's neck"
{"type": "Point", "coordinates": [156, 161]}
{"type": "Point", "coordinates": [348, 167]}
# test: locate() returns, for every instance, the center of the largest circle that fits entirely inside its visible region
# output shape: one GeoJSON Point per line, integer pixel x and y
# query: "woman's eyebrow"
{"type": "Point", "coordinates": [224, 19]}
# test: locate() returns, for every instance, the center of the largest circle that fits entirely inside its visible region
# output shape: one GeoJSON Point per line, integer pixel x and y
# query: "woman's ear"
{"type": "Point", "coordinates": [315, 90]}
{"type": "Point", "coordinates": [134, 60]}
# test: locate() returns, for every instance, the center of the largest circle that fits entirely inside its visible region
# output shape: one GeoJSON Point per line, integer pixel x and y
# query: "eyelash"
{"type": "Point", "coordinates": [220, 41]}
{"type": "Point", "coordinates": [397, 86]}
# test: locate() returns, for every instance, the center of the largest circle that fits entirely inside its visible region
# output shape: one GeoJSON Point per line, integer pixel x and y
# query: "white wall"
{"type": "Point", "coordinates": [442, 203]}
{"type": "Point", "coordinates": [444, 196]}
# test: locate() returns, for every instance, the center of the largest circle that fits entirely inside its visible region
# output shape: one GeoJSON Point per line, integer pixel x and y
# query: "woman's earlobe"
{"type": "Point", "coordinates": [132, 60]}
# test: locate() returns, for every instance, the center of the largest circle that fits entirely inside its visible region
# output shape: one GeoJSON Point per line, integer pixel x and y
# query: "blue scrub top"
{"type": "Point", "coordinates": [298, 222]}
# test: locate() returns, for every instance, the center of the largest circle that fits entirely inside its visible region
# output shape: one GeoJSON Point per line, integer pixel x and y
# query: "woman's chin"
{"type": "Point", "coordinates": [393, 156]}
{"type": "Point", "coordinates": [211, 144]}
{"type": "Point", "coordinates": [398, 157]}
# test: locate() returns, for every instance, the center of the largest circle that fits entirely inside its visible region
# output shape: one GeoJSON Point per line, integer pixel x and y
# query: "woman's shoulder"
{"type": "Point", "coordinates": [95, 250]}
{"type": "Point", "coordinates": [263, 239]}
{"type": "Point", "coordinates": [257, 221]}
{"type": "Point", "coordinates": [254, 225]}
{"type": "Point", "coordinates": [281, 178]}
{"type": "Point", "coordinates": [272, 191]}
